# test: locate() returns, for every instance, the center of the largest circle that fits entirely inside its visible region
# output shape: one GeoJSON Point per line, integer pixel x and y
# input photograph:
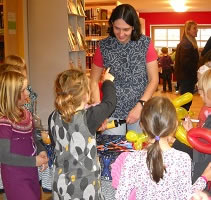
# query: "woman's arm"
{"type": "Point", "coordinates": [152, 72]}
{"type": "Point", "coordinates": [95, 76]}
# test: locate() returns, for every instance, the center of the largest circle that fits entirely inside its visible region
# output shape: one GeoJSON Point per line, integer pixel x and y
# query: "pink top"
{"type": "Point", "coordinates": [150, 56]}
{"type": "Point", "coordinates": [203, 114]}
{"type": "Point", "coordinates": [175, 185]}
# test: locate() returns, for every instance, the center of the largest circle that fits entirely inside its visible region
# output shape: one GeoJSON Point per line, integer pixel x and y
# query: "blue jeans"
{"type": "Point", "coordinates": [122, 130]}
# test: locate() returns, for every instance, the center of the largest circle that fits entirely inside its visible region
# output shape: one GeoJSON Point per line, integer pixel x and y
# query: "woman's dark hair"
{"type": "Point", "coordinates": [129, 15]}
{"type": "Point", "coordinates": [158, 119]}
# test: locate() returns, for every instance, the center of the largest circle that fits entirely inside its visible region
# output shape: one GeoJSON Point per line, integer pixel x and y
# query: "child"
{"type": "Point", "coordinates": [17, 143]}
{"type": "Point", "coordinates": [159, 171]}
{"type": "Point", "coordinates": [21, 65]}
{"type": "Point", "coordinates": [167, 65]}
{"type": "Point", "coordinates": [204, 86]}
{"type": "Point", "coordinates": [77, 169]}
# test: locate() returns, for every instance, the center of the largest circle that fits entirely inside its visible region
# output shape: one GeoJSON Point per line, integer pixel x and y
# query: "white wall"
{"type": "Point", "coordinates": [47, 49]}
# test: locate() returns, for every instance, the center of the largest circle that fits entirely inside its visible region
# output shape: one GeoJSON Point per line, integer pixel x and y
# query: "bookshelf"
{"type": "Point", "coordinates": [96, 25]}
{"type": "Point", "coordinates": [76, 33]}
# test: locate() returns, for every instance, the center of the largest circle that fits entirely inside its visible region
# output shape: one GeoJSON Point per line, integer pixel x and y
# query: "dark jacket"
{"type": "Point", "coordinates": [186, 61]}
{"type": "Point", "coordinates": [207, 47]}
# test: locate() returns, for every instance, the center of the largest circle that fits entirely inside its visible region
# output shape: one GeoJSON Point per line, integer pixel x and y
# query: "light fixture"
{"type": "Point", "coordinates": [179, 5]}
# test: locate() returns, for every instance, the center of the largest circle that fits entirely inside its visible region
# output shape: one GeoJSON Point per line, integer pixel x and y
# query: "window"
{"type": "Point", "coordinates": [166, 37]}
{"type": "Point", "coordinates": [202, 36]}
{"type": "Point", "coordinates": [169, 36]}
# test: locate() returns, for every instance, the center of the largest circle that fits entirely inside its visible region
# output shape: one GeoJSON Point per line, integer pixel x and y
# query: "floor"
{"type": "Point", "coordinates": [195, 108]}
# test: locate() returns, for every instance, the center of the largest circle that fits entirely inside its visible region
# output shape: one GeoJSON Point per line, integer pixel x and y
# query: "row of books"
{"type": "Point", "coordinates": [76, 40]}
{"type": "Point", "coordinates": [77, 9]}
{"type": "Point", "coordinates": [95, 29]}
{"type": "Point", "coordinates": [96, 14]}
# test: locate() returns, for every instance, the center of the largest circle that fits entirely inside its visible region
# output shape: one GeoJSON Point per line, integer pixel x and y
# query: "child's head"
{"type": "Point", "coordinates": [204, 87]}
{"type": "Point", "coordinates": [17, 61]}
{"type": "Point", "coordinates": [164, 50]}
{"type": "Point", "coordinates": [72, 89]}
{"type": "Point", "coordinates": [13, 94]}
{"type": "Point", "coordinates": [10, 67]}
{"type": "Point", "coordinates": [158, 120]}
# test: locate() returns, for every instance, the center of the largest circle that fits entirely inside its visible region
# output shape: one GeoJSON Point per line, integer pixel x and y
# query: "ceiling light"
{"type": "Point", "coordinates": [179, 5]}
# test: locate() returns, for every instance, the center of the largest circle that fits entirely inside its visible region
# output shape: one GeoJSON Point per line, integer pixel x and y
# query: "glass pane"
{"type": "Point", "coordinates": [205, 34]}
{"type": "Point", "coordinates": [160, 43]}
{"type": "Point", "coordinates": [173, 34]}
{"type": "Point", "coordinates": [160, 34]}
{"type": "Point", "coordinates": [173, 43]}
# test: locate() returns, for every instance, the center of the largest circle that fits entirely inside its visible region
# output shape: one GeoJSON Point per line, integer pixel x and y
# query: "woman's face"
{"type": "Point", "coordinates": [24, 94]}
{"type": "Point", "coordinates": [122, 30]}
{"type": "Point", "coordinates": [193, 30]}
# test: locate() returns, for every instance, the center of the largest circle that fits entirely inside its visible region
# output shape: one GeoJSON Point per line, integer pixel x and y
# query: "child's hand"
{"type": "Point", "coordinates": [187, 124]}
{"type": "Point", "coordinates": [108, 76]}
{"type": "Point", "coordinates": [41, 158]}
{"type": "Point", "coordinates": [103, 126]}
{"type": "Point", "coordinates": [207, 172]}
{"type": "Point", "coordinates": [44, 167]}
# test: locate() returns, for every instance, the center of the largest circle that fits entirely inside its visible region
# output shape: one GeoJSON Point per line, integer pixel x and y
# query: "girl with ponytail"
{"type": "Point", "coordinates": [158, 171]}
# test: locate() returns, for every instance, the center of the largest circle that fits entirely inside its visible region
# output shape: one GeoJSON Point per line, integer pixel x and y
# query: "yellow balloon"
{"type": "Point", "coordinates": [182, 100]}
{"type": "Point", "coordinates": [138, 146]}
{"type": "Point", "coordinates": [181, 135]}
{"type": "Point", "coordinates": [181, 113]}
{"type": "Point", "coordinates": [131, 136]}
{"type": "Point", "coordinates": [142, 137]}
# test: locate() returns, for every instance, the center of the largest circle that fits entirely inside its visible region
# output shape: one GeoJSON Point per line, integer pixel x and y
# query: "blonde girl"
{"type": "Point", "coordinates": [77, 169]}
{"type": "Point", "coordinates": [17, 144]}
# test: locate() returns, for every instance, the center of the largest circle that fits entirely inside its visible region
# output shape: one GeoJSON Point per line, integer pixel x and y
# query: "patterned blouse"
{"type": "Point", "coordinates": [176, 184]}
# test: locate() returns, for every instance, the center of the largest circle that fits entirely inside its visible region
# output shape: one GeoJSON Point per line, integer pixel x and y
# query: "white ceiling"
{"type": "Point", "coordinates": [161, 5]}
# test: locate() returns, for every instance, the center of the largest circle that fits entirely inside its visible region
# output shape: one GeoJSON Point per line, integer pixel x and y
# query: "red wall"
{"type": "Point", "coordinates": [174, 18]}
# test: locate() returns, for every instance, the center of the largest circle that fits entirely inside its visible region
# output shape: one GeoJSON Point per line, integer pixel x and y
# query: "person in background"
{"type": "Point", "coordinates": [207, 47]}
{"type": "Point", "coordinates": [166, 64]}
{"type": "Point", "coordinates": [186, 60]}
{"type": "Point", "coordinates": [18, 144]}
{"type": "Point", "coordinates": [73, 127]}
{"type": "Point", "coordinates": [158, 171]}
{"type": "Point", "coordinates": [132, 60]}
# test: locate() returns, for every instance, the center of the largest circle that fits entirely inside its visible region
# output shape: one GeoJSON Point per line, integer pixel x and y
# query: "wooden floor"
{"type": "Point", "coordinates": [195, 108]}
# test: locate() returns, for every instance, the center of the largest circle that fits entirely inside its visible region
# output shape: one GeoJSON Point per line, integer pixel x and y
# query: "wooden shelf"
{"type": "Point", "coordinates": [96, 21]}
{"type": "Point", "coordinates": [94, 38]}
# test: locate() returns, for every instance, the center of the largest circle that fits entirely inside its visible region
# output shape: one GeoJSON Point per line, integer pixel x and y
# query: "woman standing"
{"type": "Point", "coordinates": [186, 60]}
{"type": "Point", "coordinates": [132, 60]}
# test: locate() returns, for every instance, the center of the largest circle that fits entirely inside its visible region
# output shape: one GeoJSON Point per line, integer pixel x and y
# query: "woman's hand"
{"type": "Point", "coordinates": [134, 115]}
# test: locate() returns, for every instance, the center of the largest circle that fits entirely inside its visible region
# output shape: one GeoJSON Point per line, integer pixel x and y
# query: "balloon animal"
{"type": "Point", "coordinates": [180, 101]}
{"type": "Point", "coordinates": [136, 138]}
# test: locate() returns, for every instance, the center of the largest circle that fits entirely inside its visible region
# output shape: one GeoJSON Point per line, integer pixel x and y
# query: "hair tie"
{"type": "Point", "coordinates": [157, 138]}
